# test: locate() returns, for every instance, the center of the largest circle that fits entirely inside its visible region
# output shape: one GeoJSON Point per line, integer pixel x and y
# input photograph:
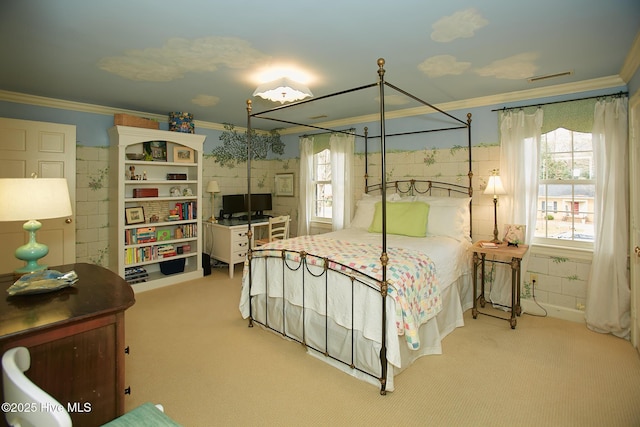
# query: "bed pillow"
{"type": "Point", "coordinates": [448, 216]}
{"type": "Point", "coordinates": [404, 218]}
{"type": "Point", "coordinates": [365, 208]}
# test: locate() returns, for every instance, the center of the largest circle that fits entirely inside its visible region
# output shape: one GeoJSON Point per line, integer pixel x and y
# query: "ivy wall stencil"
{"type": "Point", "coordinates": [234, 146]}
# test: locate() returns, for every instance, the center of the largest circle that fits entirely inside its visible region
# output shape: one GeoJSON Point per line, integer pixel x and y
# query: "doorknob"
{"type": "Point", "coordinates": [68, 220]}
{"type": "Point", "coordinates": [637, 251]}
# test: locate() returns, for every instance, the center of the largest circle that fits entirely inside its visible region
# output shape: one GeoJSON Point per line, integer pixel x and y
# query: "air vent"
{"type": "Point", "coordinates": [549, 76]}
{"type": "Point", "coordinates": [321, 116]}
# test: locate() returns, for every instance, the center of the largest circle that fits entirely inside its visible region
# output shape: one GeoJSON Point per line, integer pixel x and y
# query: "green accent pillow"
{"type": "Point", "coordinates": [404, 218]}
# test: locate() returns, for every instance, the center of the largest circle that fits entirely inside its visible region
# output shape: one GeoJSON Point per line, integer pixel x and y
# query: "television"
{"type": "Point", "coordinates": [232, 204]}
{"type": "Point", "coordinates": [260, 203]}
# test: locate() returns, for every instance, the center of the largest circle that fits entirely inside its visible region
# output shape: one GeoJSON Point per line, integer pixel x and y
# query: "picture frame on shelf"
{"type": "Point", "coordinates": [514, 234]}
{"type": "Point", "coordinates": [183, 155]}
{"type": "Point", "coordinates": [164, 234]}
{"type": "Point", "coordinates": [284, 184]}
{"type": "Point", "coordinates": [134, 215]}
{"type": "Point", "coordinates": [155, 150]}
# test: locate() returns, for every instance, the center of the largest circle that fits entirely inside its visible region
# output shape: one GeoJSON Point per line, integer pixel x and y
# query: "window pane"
{"type": "Point", "coordinates": [566, 212]}
{"type": "Point", "coordinates": [323, 201]}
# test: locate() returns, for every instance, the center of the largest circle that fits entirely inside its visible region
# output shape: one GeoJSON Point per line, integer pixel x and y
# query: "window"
{"type": "Point", "coordinates": [566, 188]}
{"type": "Point", "coordinates": [323, 194]}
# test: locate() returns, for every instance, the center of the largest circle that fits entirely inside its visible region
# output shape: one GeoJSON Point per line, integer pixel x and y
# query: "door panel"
{"type": "Point", "coordinates": [48, 149]}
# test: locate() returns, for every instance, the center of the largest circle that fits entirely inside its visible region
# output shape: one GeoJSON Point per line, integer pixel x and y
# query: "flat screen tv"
{"type": "Point", "coordinates": [260, 203]}
{"type": "Point", "coordinates": [232, 204]}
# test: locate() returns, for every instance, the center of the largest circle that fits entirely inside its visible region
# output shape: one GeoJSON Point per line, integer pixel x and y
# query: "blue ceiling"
{"type": "Point", "coordinates": [202, 56]}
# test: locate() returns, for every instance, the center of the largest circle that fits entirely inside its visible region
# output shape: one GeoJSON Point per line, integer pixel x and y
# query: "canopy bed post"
{"type": "Point", "coordinates": [383, 256]}
{"type": "Point", "coordinates": [470, 174]}
{"type": "Point", "coordinates": [366, 156]}
{"type": "Point", "coordinates": [249, 232]}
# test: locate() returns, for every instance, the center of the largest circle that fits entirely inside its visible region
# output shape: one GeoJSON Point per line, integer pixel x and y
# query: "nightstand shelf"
{"type": "Point", "coordinates": [513, 256]}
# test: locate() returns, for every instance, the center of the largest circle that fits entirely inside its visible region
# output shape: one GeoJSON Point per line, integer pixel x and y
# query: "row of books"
{"type": "Point", "coordinates": [134, 236]}
{"type": "Point", "coordinates": [184, 210]}
{"type": "Point", "coordinates": [135, 275]}
{"type": "Point", "coordinates": [148, 253]}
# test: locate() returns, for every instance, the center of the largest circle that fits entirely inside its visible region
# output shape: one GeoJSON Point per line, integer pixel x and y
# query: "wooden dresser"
{"type": "Point", "coordinates": [76, 340]}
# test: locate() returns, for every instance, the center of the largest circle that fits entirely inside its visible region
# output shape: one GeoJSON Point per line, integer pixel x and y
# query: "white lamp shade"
{"type": "Point", "coordinates": [24, 199]}
{"type": "Point", "coordinates": [494, 186]}
{"type": "Point", "coordinates": [282, 90]}
{"type": "Point", "coordinates": [213, 187]}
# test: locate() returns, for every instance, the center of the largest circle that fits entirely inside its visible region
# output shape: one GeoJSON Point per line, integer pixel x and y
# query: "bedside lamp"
{"type": "Point", "coordinates": [31, 199]}
{"type": "Point", "coordinates": [213, 188]}
{"type": "Point", "coordinates": [495, 188]}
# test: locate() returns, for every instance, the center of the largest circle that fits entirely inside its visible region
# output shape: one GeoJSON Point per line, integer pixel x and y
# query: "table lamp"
{"type": "Point", "coordinates": [31, 199]}
{"type": "Point", "coordinates": [495, 188]}
{"type": "Point", "coordinates": [213, 188]}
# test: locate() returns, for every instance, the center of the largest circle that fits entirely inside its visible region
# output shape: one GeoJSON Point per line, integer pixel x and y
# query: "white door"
{"type": "Point", "coordinates": [48, 149]}
{"type": "Point", "coordinates": [634, 177]}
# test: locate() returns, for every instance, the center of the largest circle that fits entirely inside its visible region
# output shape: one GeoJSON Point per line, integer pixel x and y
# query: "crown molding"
{"type": "Point", "coordinates": [632, 61]}
{"type": "Point", "coordinates": [523, 95]}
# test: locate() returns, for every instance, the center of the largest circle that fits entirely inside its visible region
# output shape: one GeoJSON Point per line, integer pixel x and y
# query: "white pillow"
{"type": "Point", "coordinates": [448, 216]}
{"type": "Point", "coordinates": [366, 207]}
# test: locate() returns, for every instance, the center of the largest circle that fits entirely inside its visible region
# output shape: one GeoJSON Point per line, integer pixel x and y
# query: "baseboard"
{"type": "Point", "coordinates": [531, 307]}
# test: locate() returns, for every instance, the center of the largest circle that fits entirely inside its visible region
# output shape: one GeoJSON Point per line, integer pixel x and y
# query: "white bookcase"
{"type": "Point", "coordinates": [161, 242]}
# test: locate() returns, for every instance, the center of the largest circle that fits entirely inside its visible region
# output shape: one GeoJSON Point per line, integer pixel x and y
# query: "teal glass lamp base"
{"type": "Point", "coordinates": [32, 251]}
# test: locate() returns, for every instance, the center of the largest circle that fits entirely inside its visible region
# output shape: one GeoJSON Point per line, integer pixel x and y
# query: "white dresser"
{"type": "Point", "coordinates": [230, 242]}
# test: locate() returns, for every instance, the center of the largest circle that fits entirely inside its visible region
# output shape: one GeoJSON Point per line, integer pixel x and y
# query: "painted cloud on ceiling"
{"type": "Point", "coordinates": [514, 67]}
{"type": "Point", "coordinates": [462, 24]}
{"type": "Point", "coordinates": [180, 56]}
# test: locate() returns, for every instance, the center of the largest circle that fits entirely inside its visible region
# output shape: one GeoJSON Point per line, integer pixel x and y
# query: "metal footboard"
{"type": "Point", "coordinates": [310, 270]}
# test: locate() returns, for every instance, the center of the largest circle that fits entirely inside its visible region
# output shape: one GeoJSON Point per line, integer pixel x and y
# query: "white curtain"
{"type": "Point", "coordinates": [342, 148]}
{"type": "Point", "coordinates": [608, 294]}
{"type": "Point", "coordinates": [306, 185]}
{"type": "Point", "coordinates": [519, 171]}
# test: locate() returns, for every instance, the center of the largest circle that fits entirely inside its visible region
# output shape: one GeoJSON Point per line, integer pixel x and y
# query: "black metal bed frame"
{"type": "Point", "coordinates": [356, 277]}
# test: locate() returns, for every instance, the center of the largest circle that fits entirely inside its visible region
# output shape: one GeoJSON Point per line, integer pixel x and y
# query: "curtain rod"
{"type": "Point", "coordinates": [560, 102]}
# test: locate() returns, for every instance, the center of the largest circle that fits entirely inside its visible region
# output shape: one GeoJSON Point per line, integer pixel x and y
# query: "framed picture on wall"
{"type": "Point", "coordinates": [284, 184]}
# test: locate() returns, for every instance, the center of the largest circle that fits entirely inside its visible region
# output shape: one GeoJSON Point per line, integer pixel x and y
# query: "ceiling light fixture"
{"type": "Point", "coordinates": [282, 90]}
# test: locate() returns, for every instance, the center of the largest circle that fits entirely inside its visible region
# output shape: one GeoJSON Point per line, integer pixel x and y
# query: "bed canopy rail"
{"type": "Point", "coordinates": [402, 186]}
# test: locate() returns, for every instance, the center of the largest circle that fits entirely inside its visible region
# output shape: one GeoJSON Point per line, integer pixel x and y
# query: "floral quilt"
{"type": "Point", "coordinates": [411, 275]}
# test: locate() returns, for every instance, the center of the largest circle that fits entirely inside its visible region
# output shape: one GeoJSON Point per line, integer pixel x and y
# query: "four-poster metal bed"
{"type": "Point", "coordinates": [270, 300]}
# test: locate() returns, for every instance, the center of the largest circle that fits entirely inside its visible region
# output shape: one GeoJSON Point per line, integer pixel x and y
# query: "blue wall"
{"type": "Point", "coordinates": [91, 128]}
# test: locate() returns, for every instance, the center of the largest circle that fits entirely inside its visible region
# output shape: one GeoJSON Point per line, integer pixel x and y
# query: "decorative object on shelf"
{"type": "Point", "coordinates": [187, 192]}
{"type": "Point", "coordinates": [284, 184]}
{"type": "Point", "coordinates": [134, 215]}
{"type": "Point", "coordinates": [183, 155]}
{"type": "Point", "coordinates": [495, 188]}
{"type": "Point", "coordinates": [234, 146]}
{"type": "Point", "coordinates": [282, 90]}
{"type": "Point", "coordinates": [42, 281]}
{"type": "Point", "coordinates": [181, 122]}
{"type": "Point", "coordinates": [31, 199]}
{"type": "Point", "coordinates": [213, 188]}
{"type": "Point", "coordinates": [176, 176]}
{"type": "Point", "coordinates": [145, 192]}
{"type": "Point", "coordinates": [514, 234]}
{"type": "Point", "coordinates": [175, 192]}
{"type": "Point", "coordinates": [164, 234]}
{"type": "Point", "coordinates": [156, 150]}
{"type": "Point", "coordinates": [135, 156]}
{"type": "Point", "coordinates": [154, 218]}
{"type": "Point", "coordinates": [133, 121]}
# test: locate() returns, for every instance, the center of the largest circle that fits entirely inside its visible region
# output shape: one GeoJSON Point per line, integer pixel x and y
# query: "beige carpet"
{"type": "Point", "coordinates": [192, 352]}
